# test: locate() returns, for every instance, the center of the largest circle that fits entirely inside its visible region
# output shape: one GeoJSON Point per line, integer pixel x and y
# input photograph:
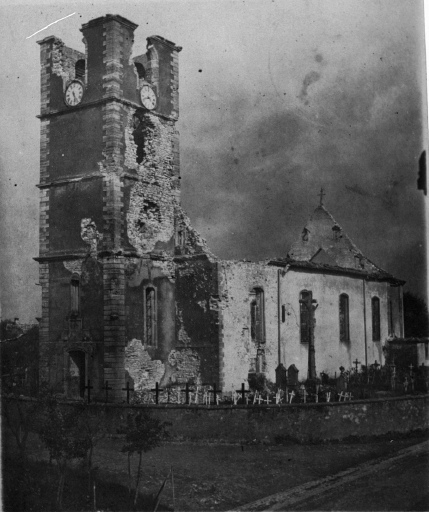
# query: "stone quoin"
{"type": "Point", "coordinates": [131, 294]}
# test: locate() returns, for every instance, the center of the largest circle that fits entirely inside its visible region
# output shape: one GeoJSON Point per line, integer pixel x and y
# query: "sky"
{"type": "Point", "coordinates": [278, 98]}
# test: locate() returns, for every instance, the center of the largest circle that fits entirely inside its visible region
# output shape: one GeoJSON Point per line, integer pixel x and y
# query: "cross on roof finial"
{"type": "Point", "coordinates": [321, 194]}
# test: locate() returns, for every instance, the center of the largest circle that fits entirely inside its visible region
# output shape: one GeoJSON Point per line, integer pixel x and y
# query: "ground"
{"type": "Point", "coordinates": [222, 477]}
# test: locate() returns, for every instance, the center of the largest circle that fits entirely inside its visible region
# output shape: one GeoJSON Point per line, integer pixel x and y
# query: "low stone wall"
{"type": "Point", "coordinates": [273, 423]}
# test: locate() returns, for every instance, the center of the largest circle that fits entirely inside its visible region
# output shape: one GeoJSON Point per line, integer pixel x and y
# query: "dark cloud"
{"type": "Point", "coordinates": [367, 134]}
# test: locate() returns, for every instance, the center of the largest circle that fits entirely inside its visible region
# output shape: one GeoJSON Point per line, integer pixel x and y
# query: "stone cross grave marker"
{"type": "Point", "coordinates": [89, 387]}
{"type": "Point", "coordinates": [128, 390]}
{"type": "Point", "coordinates": [187, 392]}
{"type": "Point", "coordinates": [243, 392]}
{"type": "Point", "coordinates": [157, 390]}
{"type": "Point", "coordinates": [214, 390]}
{"type": "Point", "coordinates": [106, 388]}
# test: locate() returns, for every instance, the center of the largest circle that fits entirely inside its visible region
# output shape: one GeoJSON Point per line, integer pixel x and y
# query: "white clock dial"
{"type": "Point", "coordinates": [148, 97]}
{"type": "Point", "coordinates": [74, 93]}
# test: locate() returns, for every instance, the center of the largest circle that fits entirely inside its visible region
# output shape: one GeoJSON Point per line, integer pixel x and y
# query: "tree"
{"type": "Point", "coordinates": [19, 359]}
{"type": "Point", "coordinates": [19, 370]}
{"type": "Point", "coordinates": [142, 434]}
{"type": "Point", "coordinates": [93, 428]}
{"type": "Point", "coordinates": [416, 316]}
{"type": "Point", "coordinates": [61, 432]}
{"type": "Point", "coordinates": [21, 417]}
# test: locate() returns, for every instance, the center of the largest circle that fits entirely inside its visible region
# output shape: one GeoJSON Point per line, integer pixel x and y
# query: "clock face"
{"type": "Point", "coordinates": [148, 97]}
{"type": "Point", "coordinates": [74, 93]}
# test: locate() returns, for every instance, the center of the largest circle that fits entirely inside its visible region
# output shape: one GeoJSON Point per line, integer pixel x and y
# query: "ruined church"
{"type": "Point", "coordinates": [130, 291]}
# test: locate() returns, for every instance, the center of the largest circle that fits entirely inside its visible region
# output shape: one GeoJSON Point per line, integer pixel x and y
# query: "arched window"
{"type": "Point", "coordinates": [79, 69]}
{"type": "Point", "coordinates": [305, 315]}
{"type": "Point", "coordinates": [74, 296]}
{"type": "Point", "coordinates": [140, 70]}
{"type": "Point", "coordinates": [149, 297]}
{"type": "Point", "coordinates": [344, 317]}
{"type": "Point", "coordinates": [257, 320]}
{"type": "Point", "coordinates": [375, 309]}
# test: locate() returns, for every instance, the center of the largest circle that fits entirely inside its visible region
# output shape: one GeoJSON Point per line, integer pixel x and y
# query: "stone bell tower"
{"type": "Point", "coordinates": [109, 200]}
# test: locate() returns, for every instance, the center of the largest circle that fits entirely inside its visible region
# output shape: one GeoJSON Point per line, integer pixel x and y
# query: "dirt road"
{"type": "Point", "coordinates": [396, 482]}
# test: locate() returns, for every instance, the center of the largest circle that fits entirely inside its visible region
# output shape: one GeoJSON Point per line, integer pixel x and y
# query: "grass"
{"type": "Point", "coordinates": [33, 488]}
{"type": "Point", "coordinates": [206, 476]}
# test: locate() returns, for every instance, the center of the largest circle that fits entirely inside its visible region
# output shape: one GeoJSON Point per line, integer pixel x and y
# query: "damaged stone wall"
{"type": "Point", "coordinates": [197, 314]}
{"type": "Point", "coordinates": [237, 280]}
{"type": "Point", "coordinates": [182, 366]}
{"type": "Point", "coordinates": [180, 363]}
{"type": "Point", "coordinates": [151, 211]}
{"type": "Point", "coordinates": [154, 216]}
{"type": "Point", "coordinates": [157, 228]}
{"type": "Point", "coordinates": [64, 60]}
{"type": "Point", "coordinates": [144, 371]}
{"type": "Point", "coordinates": [186, 366]}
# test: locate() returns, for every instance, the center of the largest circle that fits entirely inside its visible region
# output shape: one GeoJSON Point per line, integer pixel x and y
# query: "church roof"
{"type": "Point", "coordinates": [324, 246]}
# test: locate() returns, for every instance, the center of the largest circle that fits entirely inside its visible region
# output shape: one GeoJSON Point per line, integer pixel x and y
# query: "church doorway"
{"type": "Point", "coordinates": [77, 374]}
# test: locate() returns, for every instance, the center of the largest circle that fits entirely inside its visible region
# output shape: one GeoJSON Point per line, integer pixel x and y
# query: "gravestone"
{"type": "Point", "coordinates": [281, 376]}
{"type": "Point", "coordinates": [341, 383]}
{"type": "Point", "coordinates": [292, 376]}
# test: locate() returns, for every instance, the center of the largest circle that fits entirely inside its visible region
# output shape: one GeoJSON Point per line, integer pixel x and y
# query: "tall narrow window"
{"type": "Point", "coordinates": [150, 316]}
{"type": "Point", "coordinates": [305, 315]}
{"type": "Point", "coordinates": [390, 317]}
{"type": "Point", "coordinates": [260, 361]}
{"type": "Point", "coordinates": [74, 296]}
{"type": "Point", "coordinates": [79, 69]}
{"type": "Point", "coordinates": [344, 318]}
{"type": "Point", "coordinates": [139, 137]}
{"type": "Point", "coordinates": [141, 73]}
{"type": "Point", "coordinates": [375, 306]}
{"type": "Point", "coordinates": [257, 328]}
